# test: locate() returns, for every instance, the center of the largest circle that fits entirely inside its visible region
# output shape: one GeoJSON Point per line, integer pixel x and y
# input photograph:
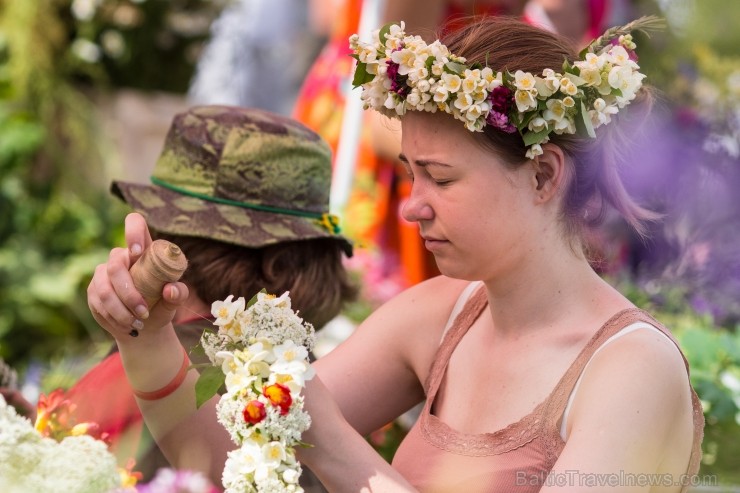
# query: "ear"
{"type": "Point", "coordinates": [548, 172]}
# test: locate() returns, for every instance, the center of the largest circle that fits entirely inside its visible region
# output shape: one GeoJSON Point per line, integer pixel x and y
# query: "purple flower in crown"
{"type": "Point", "coordinates": [393, 76]}
{"type": "Point", "coordinates": [500, 100]}
{"type": "Point", "coordinates": [398, 82]}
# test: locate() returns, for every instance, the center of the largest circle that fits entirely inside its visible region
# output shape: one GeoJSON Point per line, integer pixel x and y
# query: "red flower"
{"type": "Point", "coordinates": [254, 412]}
{"type": "Point", "coordinates": [279, 396]}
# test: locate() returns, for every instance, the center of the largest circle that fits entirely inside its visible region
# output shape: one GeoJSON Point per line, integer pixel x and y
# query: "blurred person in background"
{"type": "Point", "coordinates": [244, 61]}
{"type": "Point", "coordinates": [231, 248]}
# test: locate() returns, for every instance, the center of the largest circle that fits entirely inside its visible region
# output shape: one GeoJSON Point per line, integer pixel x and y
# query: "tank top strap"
{"type": "Point", "coordinates": [462, 322]}
{"type": "Point", "coordinates": [558, 399]}
{"type": "Point", "coordinates": [555, 405]}
{"type": "Point", "coordinates": [698, 410]}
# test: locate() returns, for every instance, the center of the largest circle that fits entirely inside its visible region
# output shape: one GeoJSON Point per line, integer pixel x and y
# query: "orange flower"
{"type": "Point", "coordinates": [53, 414]}
{"type": "Point", "coordinates": [254, 412]}
{"type": "Point", "coordinates": [55, 418]}
{"type": "Point", "coordinates": [279, 396]}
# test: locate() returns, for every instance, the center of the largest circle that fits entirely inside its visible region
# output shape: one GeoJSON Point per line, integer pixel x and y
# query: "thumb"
{"type": "Point", "coordinates": [174, 295]}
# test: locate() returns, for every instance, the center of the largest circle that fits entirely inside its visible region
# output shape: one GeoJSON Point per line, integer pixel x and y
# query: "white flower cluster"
{"type": "Point", "coordinates": [398, 73]}
{"type": "Point", "coordinates": [30, 462]}
{"type": "Point", "coordinates": [263, 352]}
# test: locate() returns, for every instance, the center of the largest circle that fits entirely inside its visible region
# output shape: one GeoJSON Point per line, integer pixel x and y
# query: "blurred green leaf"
{"type": "Point", "coordinates": [210, 380]}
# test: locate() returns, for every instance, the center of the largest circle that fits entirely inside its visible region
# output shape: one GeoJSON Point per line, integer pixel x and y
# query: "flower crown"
{"type": "Point", "coordinates": [399, 72]}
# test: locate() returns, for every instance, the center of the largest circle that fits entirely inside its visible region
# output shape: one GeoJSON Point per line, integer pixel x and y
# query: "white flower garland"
{"type": "Point", "coordinates": [263, 353]}
{"type": "Point", "coordinates": [398, 73]}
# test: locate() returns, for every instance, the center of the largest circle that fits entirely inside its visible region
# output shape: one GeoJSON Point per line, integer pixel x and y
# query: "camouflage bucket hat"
{"type": "Point", "coordinates": [241, 176]}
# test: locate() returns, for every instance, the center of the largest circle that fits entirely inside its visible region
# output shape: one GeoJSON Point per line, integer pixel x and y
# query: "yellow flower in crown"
{"type": "Point", "coordinates": [399, 73]}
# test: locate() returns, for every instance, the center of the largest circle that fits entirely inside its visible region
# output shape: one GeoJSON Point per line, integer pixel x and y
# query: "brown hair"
{"type": "Point", "coordinates": [312, 270]}
{"type": "Point", "coordinates": [508, 44]}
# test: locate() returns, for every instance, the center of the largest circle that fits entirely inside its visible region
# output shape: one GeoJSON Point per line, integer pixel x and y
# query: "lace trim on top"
{"type": "Point", "coordinates": [540, 424]}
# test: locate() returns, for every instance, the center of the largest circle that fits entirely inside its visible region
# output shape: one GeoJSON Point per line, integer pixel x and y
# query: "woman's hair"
{"type": "Point", "coordinates": [508, 44]}
{"type": "Point", "coordinates": [312, 270]}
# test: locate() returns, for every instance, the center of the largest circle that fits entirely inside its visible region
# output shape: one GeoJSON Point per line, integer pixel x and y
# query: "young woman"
{"type": "Point", "coordinates": [536, 374]}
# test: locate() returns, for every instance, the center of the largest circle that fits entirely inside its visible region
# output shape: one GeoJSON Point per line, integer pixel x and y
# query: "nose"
{"type": "Point", "coordinates": [416, 208]}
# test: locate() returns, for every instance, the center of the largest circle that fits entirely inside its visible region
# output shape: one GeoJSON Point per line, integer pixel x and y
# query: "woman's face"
{"type": "Point", "coordinates": [476, 216]}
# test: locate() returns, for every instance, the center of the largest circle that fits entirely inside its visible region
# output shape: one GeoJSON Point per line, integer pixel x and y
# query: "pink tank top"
{"type": "Point", "coordinates": [435, 458]}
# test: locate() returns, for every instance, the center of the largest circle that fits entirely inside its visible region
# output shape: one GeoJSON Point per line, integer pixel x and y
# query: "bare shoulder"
{"type": "Point", "coordinates": [635, 396]}
{"type": "Point", "coordinates": [645, 353]}
{"type": "Point", "coordinates": [414, 321]}
{"type": "Point", "coordinates": [421, 311]}
{"type": "Point", "coordinates": [378, 372]}
{"type": "Point", "coordinates": [422, 306]}
{"type": "Point", "coordinates": [642, 369]}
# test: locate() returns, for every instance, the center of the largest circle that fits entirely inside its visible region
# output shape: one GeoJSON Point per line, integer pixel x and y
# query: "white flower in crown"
{"type": "Point", "coordinates": [601, 114]}
{"type": "Point", "coordinates": [534, 151]}
{"type": "Point", "coordinates": [398, 73]}
{"type": "Point", "coordinates": [618, 56]}
{"type": "Point", "coordinates": [525, 100]}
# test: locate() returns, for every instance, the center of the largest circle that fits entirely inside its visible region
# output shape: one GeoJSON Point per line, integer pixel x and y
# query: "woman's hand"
{"type": "Point", "coordinates": [340, 457]}
{"type": "Point", "coordinates": [112, 297]}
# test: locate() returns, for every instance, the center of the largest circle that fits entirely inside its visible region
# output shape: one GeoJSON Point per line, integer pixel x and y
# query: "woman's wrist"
{"type": "Point", "coordinates": [153, 359]}
{"type": "Point", "coordinates": [172, 386]}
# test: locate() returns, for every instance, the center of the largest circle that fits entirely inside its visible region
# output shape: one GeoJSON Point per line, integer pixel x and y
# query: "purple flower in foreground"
{"type": "Point", "coordinates": [173, 481]}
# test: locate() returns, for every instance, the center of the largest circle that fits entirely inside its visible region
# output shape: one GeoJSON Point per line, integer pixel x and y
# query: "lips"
{"type": "Point", "coordinates": [431, 243]}
{"type": "Point", "coordinates": [430, 238]}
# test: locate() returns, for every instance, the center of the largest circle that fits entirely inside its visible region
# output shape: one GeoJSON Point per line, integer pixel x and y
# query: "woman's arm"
{"type": "Point", "coordinates": [378, 372]}
{"type": "Point", "coordinates": [339, 456]}
{"type": "Point", "coordinates": [188, 438]}
{"type": "Point", "coordinates": [370, 379]}
{"type": "Point", "coordinates": [631, 418]}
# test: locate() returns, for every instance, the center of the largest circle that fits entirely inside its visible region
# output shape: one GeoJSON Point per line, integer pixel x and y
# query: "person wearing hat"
{"type": "Point", "coordinates": [245, 194]}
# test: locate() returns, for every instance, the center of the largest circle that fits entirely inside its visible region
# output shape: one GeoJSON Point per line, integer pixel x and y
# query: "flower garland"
{"type": "Point", "coordinates": [398, 73]}
{"type": "Point", "coordinates": [262, 351]}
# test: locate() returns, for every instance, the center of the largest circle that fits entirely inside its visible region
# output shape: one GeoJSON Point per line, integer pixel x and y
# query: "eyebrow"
{"type": "Point", "coordinates": [423, 162]}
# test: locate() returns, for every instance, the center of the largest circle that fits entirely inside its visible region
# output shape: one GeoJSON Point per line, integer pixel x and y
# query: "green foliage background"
{"type": "Point", "coordinates": [57, 220]}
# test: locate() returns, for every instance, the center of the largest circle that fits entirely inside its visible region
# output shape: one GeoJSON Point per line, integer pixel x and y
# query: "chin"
{"type": "Point", "coordinates": [457, 271]}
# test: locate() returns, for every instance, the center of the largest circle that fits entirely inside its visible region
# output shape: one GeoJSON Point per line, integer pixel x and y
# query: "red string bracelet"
{"type": "Point", "coordinates": [170, 387]}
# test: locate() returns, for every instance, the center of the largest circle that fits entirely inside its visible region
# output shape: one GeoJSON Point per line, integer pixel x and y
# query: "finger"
{"type": "Point", "coordinates": [123, 284]}
{"type": "Point", "coordinates": [106, 307]}
{"type": "Point", "coordinates": [137, 235]}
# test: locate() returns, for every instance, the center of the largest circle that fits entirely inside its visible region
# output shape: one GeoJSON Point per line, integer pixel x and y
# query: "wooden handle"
{"type": "Point", "coordinates": [163, 262]}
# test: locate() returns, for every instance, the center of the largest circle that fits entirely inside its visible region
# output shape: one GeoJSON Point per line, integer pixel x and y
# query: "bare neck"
{"type": "Point", "coordinates": [551, 287]}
